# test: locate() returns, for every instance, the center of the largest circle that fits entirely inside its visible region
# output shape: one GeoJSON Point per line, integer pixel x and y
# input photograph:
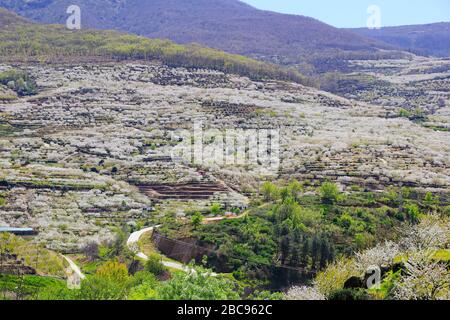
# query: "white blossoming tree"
{"type": "Point", "coordinates": [424, 279]}
{"type": "Point", "coordinates": [381, 255]}
{"type": "Point", "coordinates": [304, 293]}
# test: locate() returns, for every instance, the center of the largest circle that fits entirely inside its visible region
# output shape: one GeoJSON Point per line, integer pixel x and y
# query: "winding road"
{"type": "Point", "coordinates": [132, 244]}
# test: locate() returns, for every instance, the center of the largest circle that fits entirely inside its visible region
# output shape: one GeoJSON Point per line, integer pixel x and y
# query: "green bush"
{"type": "Point", "coordinates": [102, 288]}
{"type": "Point", "coordinates": [19, 81]}
{"type": "Point", "coordinates": [403, 113]}
{"type": "Point", "coordinates": [215, 208]}
{"type": "Point", "coordinates": [154, 265]}
{"type": "Point", "coordinates": [270, 191]}
{"type": "Point", "coordinates": [284, 193]}
{"type": "Point", "coordinates": [415, 115]}
{"type": "Point", "coordinates": [197, 219]}
{"type": "Point", "coordinates": [329, 193]}
{"type": "Point", "coordinates": [144, 287]}
{"type": "Point", "coordinates": [295, 189]}
{"type": "Point", "coordinates": [447, 210]}
{"type": "Point", "coordinates": [412, 212]}
{"type": "Point", "coordinates": [430, 200]}
{"type": "Point", "coordinates": [392, 196]}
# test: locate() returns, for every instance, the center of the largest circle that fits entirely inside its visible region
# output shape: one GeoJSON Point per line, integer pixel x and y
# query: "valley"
{"type": "Point", "coordinates": [163, 171]}
{"type": "Point", "coordinates": [87, 155]}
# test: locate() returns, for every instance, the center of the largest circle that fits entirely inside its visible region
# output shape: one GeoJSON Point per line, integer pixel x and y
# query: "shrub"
{"type": "Point", "coordinates": [295, 189]}
{"type": "Point", "coordinates": [447, 210]}
{"type": "Point", "coordinates": [154, 265]}
{"type": "Point", "coordinates": [363, 240]}
{"type": "Point", "coordinates": [266, 296]}
{"type": "Point", "coordinates": [329, 193]}
{"type": "Point", "coordinates": [19, 81]}
{"type": "Point", "coordinates": [412, 212]}
{"type": "Point", "coordinates": [144, 287]}
{"type": "Point", "coordinates": [430, 201]}
{"type": "Point", "coordinates": [270, 191]}
{"type": "Point", "coordinates": [392, 196]}
{"type": "Point", "coordinates": [101, 288]}
{"type": "Point", "coordinates": [114, 271]}
{"type": "Point", "coordinates": [215, 208]}
{"type": "Point", "coordinates": [196, 219]}
{"type": "Point", "coordinates": [406, 192]}
{"type": "Point", "coordinates": [346, 221]}
{"type": "Point", "coordinates": [91, 251]}
{"type": "Point", "coordinates": [335, 275]}
{"type": "Point", "coordinates": [403, 113]}
{"type": "Point", "coordinates": [284, 193]}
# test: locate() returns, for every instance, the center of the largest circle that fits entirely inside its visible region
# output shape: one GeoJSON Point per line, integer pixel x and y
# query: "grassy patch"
{"type": "Point", "coordinates": [442, 255]}
{"type": "Point", "coordinates": [27, 287]}
{"type": "Point", "coordinates": [46, 262]}
{"type": "Point", "coordinates": [436, 127]}
{"type": "Point", "coordinates": [6, 129]}
{"type": "Point", "coordinates": [35, 183]}
{"type": "Point", "coordinates": [146, 244]}
{"type": "Point", "coordinates": [7, 97]}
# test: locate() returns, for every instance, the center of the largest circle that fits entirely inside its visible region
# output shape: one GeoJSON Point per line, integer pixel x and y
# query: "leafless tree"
{"type": "Point", "coordinates": [91, 250]}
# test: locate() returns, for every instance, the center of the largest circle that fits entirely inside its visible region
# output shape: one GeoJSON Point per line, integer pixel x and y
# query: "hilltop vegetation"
{"type": "Point", "coordinates": [429, 39]}
{"type": "Point", "coordinates": [24, 41]}
{"type": "Point", "coordinates": [229, 25]}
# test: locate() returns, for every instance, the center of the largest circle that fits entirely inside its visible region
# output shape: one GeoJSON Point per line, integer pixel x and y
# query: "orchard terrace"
{"type": "Point", "coordinates": [73, 156]}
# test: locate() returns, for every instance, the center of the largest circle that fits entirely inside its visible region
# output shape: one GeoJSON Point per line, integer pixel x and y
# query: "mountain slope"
{"type": "Point", "coordinates": [228, 25]}
{"type": "Point", "coordinates": [429, 39]}
{"type": "Point", "coordinates": [22, 40]}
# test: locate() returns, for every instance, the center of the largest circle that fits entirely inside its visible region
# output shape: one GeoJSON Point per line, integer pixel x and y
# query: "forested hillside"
{"type": "Point", "coordinates": [21, 40]}
{"type": "Point", "coordinates": [430, 39]}
{"type": "Point", "coordinates": [228, 25]}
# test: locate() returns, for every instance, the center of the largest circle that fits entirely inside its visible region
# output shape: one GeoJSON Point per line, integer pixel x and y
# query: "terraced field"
{"type": "Point", "coordinates": [94, 148]}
